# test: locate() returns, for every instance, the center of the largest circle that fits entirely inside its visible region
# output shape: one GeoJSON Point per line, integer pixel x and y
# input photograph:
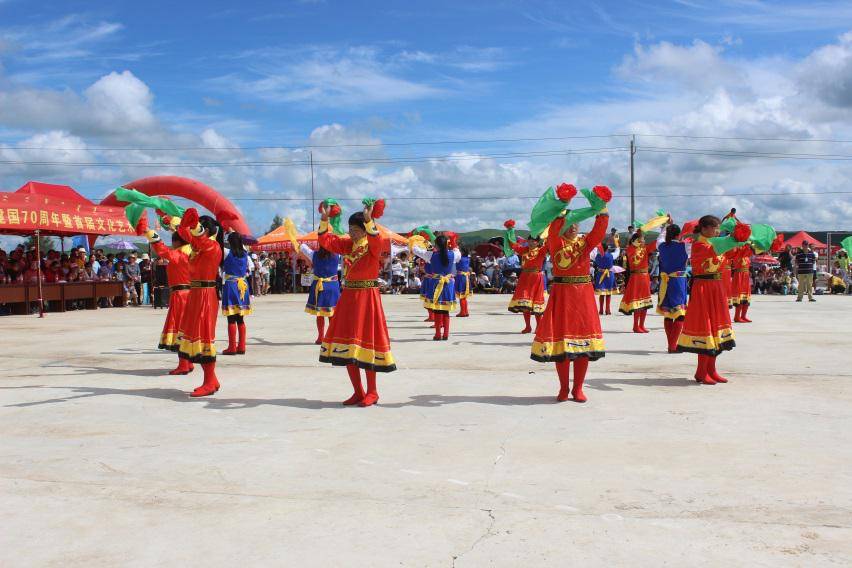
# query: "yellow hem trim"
{"type": "Point", "coordinates": [350, 351]}
{"type": "Point", "coordinates": [319, 312]}
{"type": "Point", "coordinates": [197, 348]}
{"type": "Point", "coordinates": [571, 346]}
{"type": "Point", "coordinates": [707, 342]}
{"type": "Point", "coordinates": [672, 313]}
{"type": "Point", "coordinates": [236, 311]}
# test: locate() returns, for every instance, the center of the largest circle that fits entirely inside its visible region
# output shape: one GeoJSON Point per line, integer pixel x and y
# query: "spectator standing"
{"type": "Point", "coordinates": [805, 267]}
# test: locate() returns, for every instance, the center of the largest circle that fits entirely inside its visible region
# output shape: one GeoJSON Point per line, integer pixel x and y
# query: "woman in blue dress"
{"type": "Point", "coordinates": [325, 288]}
{"type": "Point", "coordinates": [672, 298]}
{"type": "Point", "coordinates": [464, 285]}
{"type": "Point", "coordinates": [236, 299]}
{"type": "Point", "coordinates": [605, 284]}
{"type": "Point", "coordinates": [439, 294]}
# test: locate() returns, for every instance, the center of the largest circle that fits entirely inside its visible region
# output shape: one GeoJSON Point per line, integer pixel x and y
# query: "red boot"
{"type": "Point", "coordinates": [463, 313]}
{"type": "Point", "coordinates": [581, 365]}
{"type": "Point", "coordinates": [372, 396]}
{"type": "Point", "coordinates": [636, 327]}
{"type": "Point", "coordinates": [701, 375]}
{"type": "Point", "coordinates": [601, 305]}
{"type": "Point", "coordinates": [184, 367]}
{"type": "Point", "coordinates": [677, 328]}
{"type": "Point", "coordinates": [357, 387]}
{"type": "Point", "coordinates": [737, 314]}
{"type": "Point", "coordinates": [608, 310]}
{"type": "Point", "coordinates": [439, 323]}
{"type": "Point", "coordinates": [241, 346]}
{"type": "Point", "coordinates": [232, 340]}
{"type": "Point", "coordinates": [431, 316]}
{"type": "Point", "coordinates": [527, 326]}
{"type": "Point", "coordinates": [667, 325]}
{"type": "Point", "coordinates": [711, 370]}
{"type": "Point", "coordinates": [563, 370]}
{"type": "Point", "coordinates": [642, 315]}
{"type": "Point", "coordinates": [537, 321]}
{"type": "Point", "coordinates": [320, 329]}
{"type": "Point", "coordinates": [445, 323]}
{"type": "Point", "coordinates": [210, 384]}
{"type": "Point", "coordinates": [743, 313]}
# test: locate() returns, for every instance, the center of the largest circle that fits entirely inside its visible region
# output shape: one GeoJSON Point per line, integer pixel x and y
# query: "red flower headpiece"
{"type": "Point", "coordinates": [510, 224]}
{"type": "Point", "coordinates": [603, 192]}
{"type": "Point", "coordinates": [565, 191]}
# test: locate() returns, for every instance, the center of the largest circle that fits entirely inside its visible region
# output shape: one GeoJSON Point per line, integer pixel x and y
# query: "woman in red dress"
{"type": "Point", "coordinates": [570, 327]}
{"type": "Point", "coordinates": [177, 272]}
{"type": "Point", "coordinates": [357, 335]}
{"type": "Point", "coordinates": [530, 295]}
{"type": "Point", "coordinates": [637, 295]}
{"type": "Point", "coordinates": [741, 282]}
{"type": "Point", "coordinates": [198, 324]}
{"type": "Point", "coordinates": [707, 327]}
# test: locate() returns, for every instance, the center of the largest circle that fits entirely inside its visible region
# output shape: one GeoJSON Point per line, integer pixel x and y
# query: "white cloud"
{"type": "Point", "coordinates": [118, 104]}
{"type": "Point", "coordinates": [323, 77]}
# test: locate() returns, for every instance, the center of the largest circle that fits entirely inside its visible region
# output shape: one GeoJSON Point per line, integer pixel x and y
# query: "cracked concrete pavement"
{"type": "Point", "coordinates": [467, 461]}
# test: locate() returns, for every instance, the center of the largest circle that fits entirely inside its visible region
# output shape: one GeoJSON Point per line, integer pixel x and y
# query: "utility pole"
{"type": "Point", "coordinates": [313, 208]}
{"type": "Point", "coordinates": [632, 186]}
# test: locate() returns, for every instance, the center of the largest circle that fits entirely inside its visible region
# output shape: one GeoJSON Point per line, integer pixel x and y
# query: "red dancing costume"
{"type": "Point", "coordinates": [177, 272]}
{"type": "Point", "coordinates": [530, 295]}
{"type": "Point", "coordinates": [707, 327]}
{"type": "Point", "coordinates": [198, 325]}
{"type": "Point", "coordinates": [570, 327]}
{"type": "Point", "coordinates": [357, 335]}
{"type": "Point", "coordinates": [741, 282]}
{"type": "Point", "coordinates": [727, 280]}
{"type": "Point", "coordinates": [637, 293]}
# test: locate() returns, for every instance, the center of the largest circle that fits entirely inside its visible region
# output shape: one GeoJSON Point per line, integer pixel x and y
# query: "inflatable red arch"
{"type": "Point", "coordinates": [193, 190]}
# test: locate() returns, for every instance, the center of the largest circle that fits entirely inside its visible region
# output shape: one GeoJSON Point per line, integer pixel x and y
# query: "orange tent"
{"type": "Point", "coordinates": [278, 241]}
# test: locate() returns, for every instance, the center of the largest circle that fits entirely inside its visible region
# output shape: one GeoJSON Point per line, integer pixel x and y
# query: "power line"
{"type": "Point", "coordinates": [324, 163]}
{"type": "Point", "coordinates": [425, 143]}
{"type": "Point", "coordinates": [722, 153]}
{"type": "Point", "coordinates": [510, 197]}
{"type": "Point", "coordinates": [318, 146]}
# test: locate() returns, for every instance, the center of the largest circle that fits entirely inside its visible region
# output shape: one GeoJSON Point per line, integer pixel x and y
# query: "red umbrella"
{"type": "Point", "coordinates": [486, 249]}
{"type": "Point", "coordinates": [765, 260]}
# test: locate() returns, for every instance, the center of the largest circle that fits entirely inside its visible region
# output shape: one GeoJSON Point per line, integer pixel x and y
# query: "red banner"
{"type": "Point", "coordinates": [23, 214]}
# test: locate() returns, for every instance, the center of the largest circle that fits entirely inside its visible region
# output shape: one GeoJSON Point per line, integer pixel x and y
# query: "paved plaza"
{"type": "Point", "coordinates": [466, 461]}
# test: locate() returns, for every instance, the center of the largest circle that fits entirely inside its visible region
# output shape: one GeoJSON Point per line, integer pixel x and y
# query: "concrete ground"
{"type": "Point", "coordinates": [467, 461]}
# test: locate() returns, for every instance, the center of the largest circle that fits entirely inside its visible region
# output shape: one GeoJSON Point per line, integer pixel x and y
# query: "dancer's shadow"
{"type": "Point", "coordinates": [606, 384]}
{"type": "Point", "coordinates": [632, 352]}
{"type": "Point", "coordinates": [90, 370]}
{"type": "Point", "coordinates": [261, 342]}
{"type": "Point", "coordinates": [134, 351]}
{"type": "Point", "coordinates": [215, 403]}
{"type": "Point", "coordinates": [88, 392]}
{"type": "Point", "coordinates": [435, 400]}
{"type": "Point", "coordinates": [526, 344]}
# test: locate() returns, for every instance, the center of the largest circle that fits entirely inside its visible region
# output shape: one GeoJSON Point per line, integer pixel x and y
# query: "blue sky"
{"type": "Point", "coordinates": [215, 75]}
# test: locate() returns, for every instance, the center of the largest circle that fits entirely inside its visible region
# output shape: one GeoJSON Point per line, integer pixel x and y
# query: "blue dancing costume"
{"type": "Point", "coordinates": [672, 297]}
{"type": "Point", "coordinates": [236, 300]}
{"type": "Point", "coordinates": [325, 288]}
{"type": "Point", "coordinates": [439, 290]}
{"type": "Point", "coordinates": [605, 284]}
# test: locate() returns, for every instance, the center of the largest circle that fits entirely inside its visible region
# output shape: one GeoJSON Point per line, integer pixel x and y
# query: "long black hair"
{"type": "Point", "coordinates": [441, 245]}
{"type": "Point", "coordinates": [672, 232]}
{"type": "Point", "coordinates": [177, 240]}
{"type": "Point", "coordinates": [323, 253]}
{"type": "Point", "coordinates": [464, 251]}
{"type": "Point", "coordinates": [213, 227]}
{"type": "Point", "coordinates": [235, 241]}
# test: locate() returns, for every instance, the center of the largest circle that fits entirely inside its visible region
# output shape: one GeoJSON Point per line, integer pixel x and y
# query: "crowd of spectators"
{"type": "Point", "coordinates": [282, 272]}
